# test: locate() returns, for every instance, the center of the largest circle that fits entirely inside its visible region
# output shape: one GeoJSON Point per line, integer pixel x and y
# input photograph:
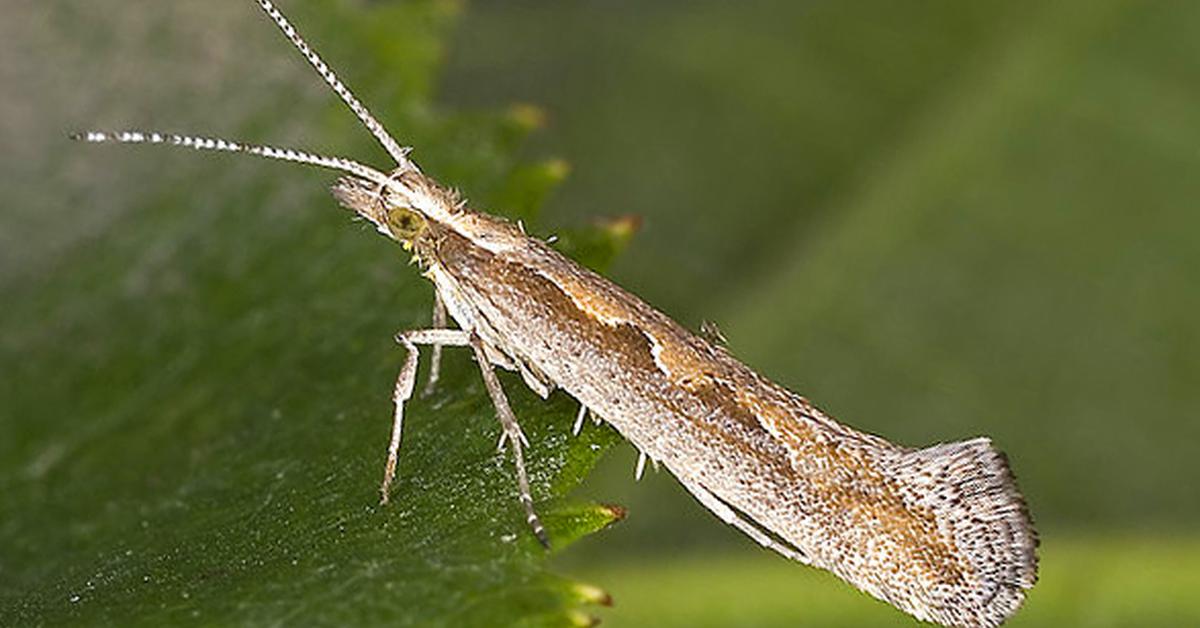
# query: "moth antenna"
{"type": "Point", "coordinates": [398, 152]}
{"type": "Point", "coordinates": [217, 144]}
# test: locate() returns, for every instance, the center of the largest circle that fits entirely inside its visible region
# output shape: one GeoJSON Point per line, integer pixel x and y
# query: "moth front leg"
{"type": "Point", "coordinates": [406, 382]}
{"type": "Point", "coordinates": [511, 433]}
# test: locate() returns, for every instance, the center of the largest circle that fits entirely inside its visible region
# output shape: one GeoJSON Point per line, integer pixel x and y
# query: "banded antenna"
{"type": "Point", "coordinates": [227, 146]}
{"type": "Point", "coordinates": [399, 153]}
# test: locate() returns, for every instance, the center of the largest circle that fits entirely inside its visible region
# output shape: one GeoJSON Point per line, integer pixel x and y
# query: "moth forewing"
{"type": "Point", "coordinates": [941, 532]}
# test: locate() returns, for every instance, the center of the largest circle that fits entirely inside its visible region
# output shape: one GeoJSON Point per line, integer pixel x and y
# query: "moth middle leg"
{"type": "Point", "coordinates": [512, 433]}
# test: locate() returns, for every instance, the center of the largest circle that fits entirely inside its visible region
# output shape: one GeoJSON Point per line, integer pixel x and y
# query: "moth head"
{"type": "Point", "coordinates": [400, 210]}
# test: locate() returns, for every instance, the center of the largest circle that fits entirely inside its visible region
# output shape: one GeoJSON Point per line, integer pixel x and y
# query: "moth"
{"type": "Point", "coordinates": [940, 532]}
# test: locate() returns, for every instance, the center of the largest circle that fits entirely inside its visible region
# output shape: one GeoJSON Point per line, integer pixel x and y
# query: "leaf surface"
{"type": "Point", "coordinates": [197, 386]}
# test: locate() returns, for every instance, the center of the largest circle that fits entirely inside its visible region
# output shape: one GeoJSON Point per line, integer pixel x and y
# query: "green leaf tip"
{"type": "Point", "coordinates": [528, 186]}
{"type": "Point", "coordinates": [589, 594]}
{"type": "Point", "coordinates": [571, 522]}
{"type": "Point", "coordinates": [580, 619]}
{"type": "Point", "coordinates": [598, 244]}
{"type": "Point", "coordinates": [527, 116]}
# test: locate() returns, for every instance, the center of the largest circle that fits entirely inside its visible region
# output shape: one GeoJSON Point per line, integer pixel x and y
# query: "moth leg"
{"type": "Point", "coordinates": [575, 429]}
{"type": "Point", "coordinates": [513, 433]}
{"type": "Point", "coordinates": [731, 517]}
{"type": "Point", "coordinates": [403, 390]}
{"type": "Point", "coordinates": [435, 353]}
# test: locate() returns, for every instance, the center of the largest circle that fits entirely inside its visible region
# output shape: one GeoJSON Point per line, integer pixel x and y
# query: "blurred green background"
{"type": "Point", "coordinates": [935, 219]}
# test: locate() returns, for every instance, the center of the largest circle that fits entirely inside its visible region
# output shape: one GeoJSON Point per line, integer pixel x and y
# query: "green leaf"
{"type": "Point", "coordinates": [197, 386]}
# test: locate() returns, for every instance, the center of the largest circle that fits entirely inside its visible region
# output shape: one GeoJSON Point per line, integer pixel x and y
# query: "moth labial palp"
{"type": "Point", "coordinates": [941, 532]}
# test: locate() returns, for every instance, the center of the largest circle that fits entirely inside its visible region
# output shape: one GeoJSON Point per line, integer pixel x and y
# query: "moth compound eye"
{"type": "Point", "coordinates": [404, 223]}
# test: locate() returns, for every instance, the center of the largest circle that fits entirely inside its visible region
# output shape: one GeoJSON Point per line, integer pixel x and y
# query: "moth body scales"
{"type": "Point", "coordinates": [941, 532]}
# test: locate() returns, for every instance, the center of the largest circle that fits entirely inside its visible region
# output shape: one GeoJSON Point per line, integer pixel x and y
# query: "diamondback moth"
{"type": "Point", "coordinates": [940, 532]}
